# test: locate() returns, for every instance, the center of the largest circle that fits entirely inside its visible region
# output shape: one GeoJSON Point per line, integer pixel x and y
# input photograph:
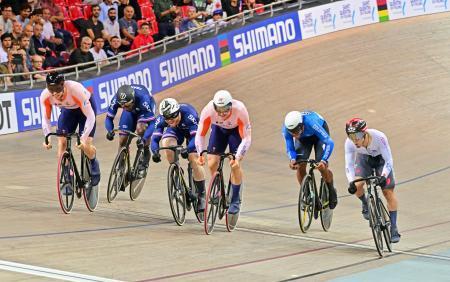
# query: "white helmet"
{"type": "Point", "coordinates": [293, 121]}
{"type": "Point", "coordinates": [222, 98]}
{"type": "Point", "coordinates": [169, 108]}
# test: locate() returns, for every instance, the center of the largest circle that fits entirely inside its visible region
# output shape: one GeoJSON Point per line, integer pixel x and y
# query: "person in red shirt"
{"type": "Point", "coordinates": [144, 38]}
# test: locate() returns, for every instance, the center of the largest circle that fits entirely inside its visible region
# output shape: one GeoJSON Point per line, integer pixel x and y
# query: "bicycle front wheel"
{"type": "Point", "coordinates": [90, 193]}
{"type": "Point", "coordinates": [212, 203]}
{"type": "Point", "coordinates": [306, 204]}
{"type": "Point", "coordinates": [65, 183]}
{"type": "Point", "coordinates": [177, 197]}
{"type": "Point", "coordinates": [326, 214]}
{"type": "Point", "coordinates": [375, 225]}
{"type": "Point", "coordinates": [117, 175]}
{"type": "Point", "coordinates": [386, 223]}
{"type": "Point", "coordinates": [137, 183]}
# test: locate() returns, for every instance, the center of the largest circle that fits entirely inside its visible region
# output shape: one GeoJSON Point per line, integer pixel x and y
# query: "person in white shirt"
{"type": "Point", "coordinates": [98, 52]}
{"type": "Point", "coordinates": [111, 24]}
{"type": "Point", "coordinates": [6, 18]}
{"type": "Point", "coordinates": [367, 150]}
{"type": "Point", "coordinates": [6, 39]}
{"type": "Point", "coordinates": [105, 6]}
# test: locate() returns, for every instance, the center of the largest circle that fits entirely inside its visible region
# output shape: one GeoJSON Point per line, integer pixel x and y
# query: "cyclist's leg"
{"type": "Point", "coordinates": [171, 137]}
{"type": "Point", "coordinates": [128, 122]}
{"type": "Point", "coordinates": [236, 174]}
{"type": "Point", "coordinates": [303, 147]}
{"type": "Point", "coordinates": [326, 173]}
{"type": "Point", "coordinates": [141, 127]}
{"type": "Point", "coordinates": [392, 202]}
{"type": "Point", "coordinates": [198, 173]}
{"type": "Point", "coordinates": [90, 149]}
{"type": "Point", "coordinates": [67, 123]}
{"type": "Point", "coordinates": [218, 142]}
{"type": "Point", "coordinates": [362, 169]}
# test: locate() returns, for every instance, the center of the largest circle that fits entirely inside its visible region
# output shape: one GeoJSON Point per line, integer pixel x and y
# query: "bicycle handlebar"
{"type": "Point", "coordinates": [172, 148]}
{"type": "Point", "coordinates": [309, 161]}
{"type": "Point", "coordinates": [128, 132]}
{"type": "Point", "coordinates": [365, 179]}
{"type": "Point", "coordinates": [70, 135]}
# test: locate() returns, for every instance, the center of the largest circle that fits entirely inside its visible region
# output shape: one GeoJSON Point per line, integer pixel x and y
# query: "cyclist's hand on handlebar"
{"type": "Point", "coordinates": [321, 165]}
{"type": "Point", "coordinates": [81, 146]}
{"type": "Point", "coordinates": [352, 188]}
{"type": "Point", "coordinates": [156, 157]}
{"type": "Point", "coordinates": [184, 153]}
{"type": "Point", "coordinates": [110, 135]}
{"type": "Point", "coordinates": [382, 181]}
{"type": "Point", "coordinates": [293, 165]}
{"type": "Point", "coordinates": [201, 160]}
{"type": "Point", "coordinates": [234, 164]}
{"type": "Point", "coordinates": [47, 146]}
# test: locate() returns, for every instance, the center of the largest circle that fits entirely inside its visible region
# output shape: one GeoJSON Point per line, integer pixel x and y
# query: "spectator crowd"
{"type": "Point", "coordinates": [46, 34]}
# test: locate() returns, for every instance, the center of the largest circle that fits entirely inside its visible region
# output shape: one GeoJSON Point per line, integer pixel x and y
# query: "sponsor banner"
{"type": "Point", "coordinates": [262, 36]}
{"type": "Point", "coordinates": [185, 64]}
{"type": "Point", "coordinates": [28, 108]}
{"type": "Point", "coordinates": [8, 118]}
{"type": "Point", "coordinates": [409, 8]}
{"type": "Point", "coordinates": [105, 87]}
{"type": "Point", "coordinates": [337, 16]}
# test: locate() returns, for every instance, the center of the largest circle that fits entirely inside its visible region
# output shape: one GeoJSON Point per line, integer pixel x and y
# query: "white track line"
{"type": "Point", "coordinates": [50, 273]}
{"type": "Point", "coordinates": [354, 245]}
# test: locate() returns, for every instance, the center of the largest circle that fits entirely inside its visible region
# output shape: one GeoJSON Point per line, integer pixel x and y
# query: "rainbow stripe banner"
{"type": "Point", "coordinates": [383, 13]}
{"type": "Point", "coordinates": [224, 50]}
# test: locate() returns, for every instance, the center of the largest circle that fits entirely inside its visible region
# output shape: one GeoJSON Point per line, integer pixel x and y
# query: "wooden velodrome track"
{"type": "Point", "coordinates": [396, 75]}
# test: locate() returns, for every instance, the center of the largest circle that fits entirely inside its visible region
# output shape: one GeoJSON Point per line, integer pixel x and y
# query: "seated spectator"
{"type": "Point", "coordinates": [82, 54]}
{"type": "Point", "coordinates": [17, 30]}
{"type": "Point", "coordinates": [133, 3]}
{"type": "Point", "coordinates": [97, 51]}
{"type": "Point", "coordinates": [37, 16]}
{"type": "Point", "coordinates": [231, 7]}
{"type": "Point", "coordinates": [93, 27]}
{"type": "Point", "coordinates": [217, 18]}
{"type": "Point", "coordinates": [128, 26]}
{"type": "Point", "coordinates": [191, 21]}
{"type": "Point", "coordinates": [25, 45]}
{"type": "Point", "coordinates": [144, 38]}
{"type": "Point", "coordinates": [6, 19]}
{"type": "Point", "coordinates": [112, 26]}
{"type": "Point", "coordinates": [17, 62]}
{"type": "Point", "coordinates": [49, 34]}
{"type": "Point", "coordinates": [105, 6]}
{"type": "Point", "coordinates": [6, 45]}
{"type": "Point", "coordinates": [24, 15]}
{"type": "Point", "coordinates": [36, 65]}
{"type": "Point", "coordinates": [42, 48]}
{"type": "Point", "coordinates": [28, 32]}
{"type": "Point", "coordinates": [165, 14]}
{"type": "Point", "coordinates": [114, 47]}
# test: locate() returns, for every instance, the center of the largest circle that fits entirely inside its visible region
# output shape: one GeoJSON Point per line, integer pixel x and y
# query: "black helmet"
{"type": "Point", "coordinates": [54, 78]}
{"type": "Point", "coordinates": [125, 94]}
{"type": "Point", "coordinates": [355, 125]}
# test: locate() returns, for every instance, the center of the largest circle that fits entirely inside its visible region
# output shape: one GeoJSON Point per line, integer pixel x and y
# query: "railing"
{"type": "Point", "coordinates": [206, 29]}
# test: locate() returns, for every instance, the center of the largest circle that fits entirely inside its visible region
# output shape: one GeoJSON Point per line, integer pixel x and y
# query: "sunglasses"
{"type": "Point", "coordinates": [296, 130]}
{"type": "Point", "coordinates": [222, 110]}
{"type": "Point", "coordinates": [356, 136]}
{"type": "Point", "coordinates": [171, 116]}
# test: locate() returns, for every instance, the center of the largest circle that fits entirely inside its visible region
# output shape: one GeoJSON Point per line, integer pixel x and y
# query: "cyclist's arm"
{"type": "Point", "coordinates": [386, 154]}
{"type": "Point", "coordinates": [148, 116]}
{"type": "Point", "coordinates": [87, 110]}
{"type": "Point", "coordinates": [350, 154]}
{"type": "Point", "coordinates": [192, 133]}
{"type": "Point", "coordinates": [46, 107]}
{"type": "Point", "coordinates": [112, 111]}
{"type": "Point", "coordinates": [245, 130]}
{"type": "Point", "coordinates": [320, 132]}
{"type": "Point", "coordinates": [203, 127]}
{"type": "Point", "coordinates": [290, 148]}
{"type": "Point", "coordinates": [157, 134]}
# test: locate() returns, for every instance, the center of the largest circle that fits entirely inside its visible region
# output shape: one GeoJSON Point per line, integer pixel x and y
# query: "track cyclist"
{"type": "Point", "coordinates": [138, 115]}
{"type": "Point", "coordinates": [302, 131]}
{"type": "Point", "coordinates": [367, 149]}
{"type": "Point", "coordinates": [181, 121]}
{"type": "Point", "coordinates": [77, 110]}
{"type": "Point", "coordinates": [230, 126]}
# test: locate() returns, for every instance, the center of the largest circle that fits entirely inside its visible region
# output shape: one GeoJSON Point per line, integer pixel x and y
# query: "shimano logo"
{"type": "Point", "coordinates": [187, 65]}
{"type": "Point", "coordinates": [108, 89]}
{"type": "Point", "coordinates": [264, 37]}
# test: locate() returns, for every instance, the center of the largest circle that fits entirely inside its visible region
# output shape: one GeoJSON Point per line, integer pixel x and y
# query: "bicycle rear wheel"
{"type": "Point", "coordinates": [375, 225]}
{"type": "Point", "coordinates": [137, 184]}
{"type": "Point", "coordinates": [326, 214]}
{"type": "Point", "coordinates": [386, 221]}
{"type": "Point", "coordinates": [230, 219]}
{"type": "Point", "coordinates": [212, 203]}
{"type": "Point", "coordinates": [306, 204]}
{"type": "Point", "coordinates": [117, 175]}
{"type": "Point", "coordinates": [65, 183]}
{"type": "Point", "coordinates": [177, 199]}
{"type": "Point", "coordinates": [90, 193]}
